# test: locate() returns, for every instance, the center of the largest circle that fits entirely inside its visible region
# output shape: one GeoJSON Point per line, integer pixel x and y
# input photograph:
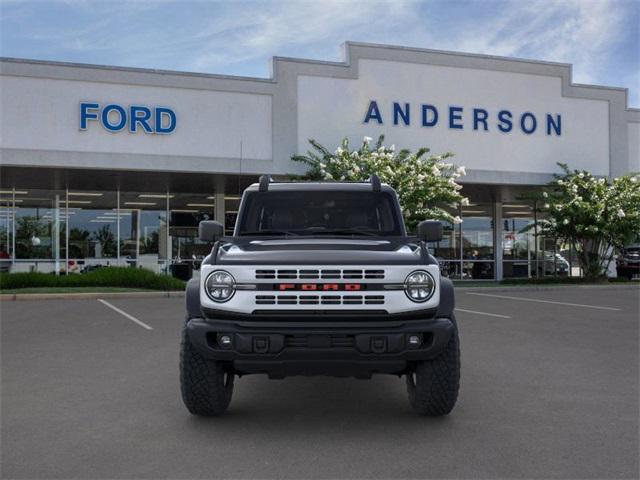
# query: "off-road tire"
{"type": "Point", "coordinates": [433, 385]}
{"type": "Point", "coordinates": [205, 384]}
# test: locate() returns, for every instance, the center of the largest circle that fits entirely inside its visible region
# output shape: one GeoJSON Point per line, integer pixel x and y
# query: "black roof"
{"type": "Point", "coordinates": [320, 186]}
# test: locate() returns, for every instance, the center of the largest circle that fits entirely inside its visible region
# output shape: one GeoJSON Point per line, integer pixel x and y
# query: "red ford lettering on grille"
{"type": "Point", "coordinates": [326, 287]}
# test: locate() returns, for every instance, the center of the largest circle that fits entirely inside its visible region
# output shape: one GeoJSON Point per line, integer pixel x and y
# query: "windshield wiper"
{"type": "Point", "coordinates": [268, 232]}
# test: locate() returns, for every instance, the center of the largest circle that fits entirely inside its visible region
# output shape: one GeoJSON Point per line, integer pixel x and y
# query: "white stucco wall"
{"type": "Point", "coordinates": [633, 129]}
{"type": "Point", "coordinates": [332, 107]}
{"type": "Point", "coordinates": [43, 114]}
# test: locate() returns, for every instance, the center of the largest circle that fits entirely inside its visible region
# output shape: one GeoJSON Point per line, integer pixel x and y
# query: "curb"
{"type": "Point", "coordinates": [87, 295]}
{"type": "Point", "coordinates": [511, 288]}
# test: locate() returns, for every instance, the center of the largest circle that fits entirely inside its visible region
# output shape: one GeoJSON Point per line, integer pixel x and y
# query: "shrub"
{"type": "Point", "coordinates": [124, 277]}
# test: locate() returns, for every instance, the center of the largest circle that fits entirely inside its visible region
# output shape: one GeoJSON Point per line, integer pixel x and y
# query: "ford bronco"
{"type": "Point", "coordinates": [319, 279]}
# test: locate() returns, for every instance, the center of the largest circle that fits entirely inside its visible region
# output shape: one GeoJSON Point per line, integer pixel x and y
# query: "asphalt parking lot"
{"type": "Point", "coordinates": [549, 390]}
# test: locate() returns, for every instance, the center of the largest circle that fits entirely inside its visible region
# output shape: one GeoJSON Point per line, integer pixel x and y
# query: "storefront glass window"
{"type": "Point", "coordinates": [447, 251]}
{"type": "Point", "coordinates": [39, 222]}
{"type": "Point", "coordinates": [145, 215]}
{"type": "Point", "coordinates": [231, 205]}
{"type": "Point", "coordinates": [477, 242]}
{"type": "Point", "coordinates": [6, 229]}
{"type": "Point", "coordinates": [518, 240]}
{"type": "Point", "coordinates": [92, 218]}
{"type": "Point", "coordinates": [187, 210]}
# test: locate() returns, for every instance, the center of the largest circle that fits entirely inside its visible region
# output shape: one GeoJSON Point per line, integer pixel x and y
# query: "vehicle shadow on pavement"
{"type": "Point", "coordinates": [301, 403]}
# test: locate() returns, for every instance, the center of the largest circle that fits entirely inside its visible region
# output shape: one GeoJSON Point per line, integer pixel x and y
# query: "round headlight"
{"type": "Point", "coordinates": [220, 286]}
{"type": "Point", "coordinates": [419, 286]}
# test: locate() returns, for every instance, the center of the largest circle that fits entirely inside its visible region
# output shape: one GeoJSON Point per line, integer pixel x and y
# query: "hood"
{"type": "Point", "coordinates": [319, 251]}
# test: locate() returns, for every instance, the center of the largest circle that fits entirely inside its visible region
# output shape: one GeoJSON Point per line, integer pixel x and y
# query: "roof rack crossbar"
{"type": "Point", "coordinates": [264, 183]}
{"type": "Point", "coordinates": [375, 182]}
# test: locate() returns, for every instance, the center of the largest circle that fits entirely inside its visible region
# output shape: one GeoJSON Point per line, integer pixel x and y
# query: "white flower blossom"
{"type": "Point", "coordinates": [621, 213]}
{"type": "Point", "coordinates": [367, 139]}
{"type": "Point", "coordinates": [546, 205]}
{"type": "Point", "coordinates": [457, 219]}
{"type": "Point", "coordinates": [464, 202]}
{"type": "Point", "coordinates": [565, 221]}
{"type": "Point", "coordinates": [461, 171]}
{"type": "Point", "coordinates": [339, 151]}
{"type": "Point", "coordinates": [545, 195]}
{"type": "Point", "coordinates": [392, 148]}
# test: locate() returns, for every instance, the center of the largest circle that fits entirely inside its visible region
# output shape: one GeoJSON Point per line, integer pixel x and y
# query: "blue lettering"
{"type": "Point", "coordinates": [557, 125]}
{"type": "Point", "coordinates": [105, 118]}
{"type": "Point", "coordinates": [86, 115]}
{"type": "Point", "coordinates": [425, 116]}
{"type": "Point", "coordinates": [373, 112]}
{"type": "Point", "coordinates": [523, 123]}
{"type": "Point", "coordinates": [139, 115]}
{"type": "Point", "coordinates": [162, 112]}
{"type": "Point", "coordinates": [480, 115]}
{"type": "Point", "coordinates": [504, 117]}
{"type": "Point", "coordinates": [399, 112]}
{"type": "Point", "coordinates": [455, 113]}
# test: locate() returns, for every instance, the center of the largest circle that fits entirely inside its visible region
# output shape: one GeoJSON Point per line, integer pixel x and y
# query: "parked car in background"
{"type": "Point", "coordinates": [628, 263]}
{"type": "Point", "coordinates": [554, 264]}
{"type": "Point", "coordinates": [5, 262]}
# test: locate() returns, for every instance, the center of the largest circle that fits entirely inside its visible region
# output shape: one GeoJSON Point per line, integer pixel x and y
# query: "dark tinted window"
{"type": "Point", "coordinates": [319, 213]}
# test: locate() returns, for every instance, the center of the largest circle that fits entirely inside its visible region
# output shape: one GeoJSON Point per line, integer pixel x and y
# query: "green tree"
{"type": "Point", "coordinates": [596, 216]}
{"type": "Point", "coordinates": [423, 182]}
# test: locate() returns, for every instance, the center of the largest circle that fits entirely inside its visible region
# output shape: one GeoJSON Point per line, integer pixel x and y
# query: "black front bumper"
{"type": "Point", "coordinates": [353, 349]}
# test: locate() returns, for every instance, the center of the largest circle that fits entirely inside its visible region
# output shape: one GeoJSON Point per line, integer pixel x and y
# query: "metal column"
{"type": "Point", "coordinates": [497, 240]}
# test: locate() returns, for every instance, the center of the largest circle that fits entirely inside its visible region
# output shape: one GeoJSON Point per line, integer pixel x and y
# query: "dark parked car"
{"type": "Point", "coordinates": [628, 263]}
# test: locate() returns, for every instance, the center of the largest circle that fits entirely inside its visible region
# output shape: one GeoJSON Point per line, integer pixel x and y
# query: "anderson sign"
{"type": "Point", "coordinates": [460, 118]}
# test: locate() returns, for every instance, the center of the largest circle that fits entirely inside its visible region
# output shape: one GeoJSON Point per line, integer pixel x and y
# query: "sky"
{"type": "Point", "coordinates": [601, 38]}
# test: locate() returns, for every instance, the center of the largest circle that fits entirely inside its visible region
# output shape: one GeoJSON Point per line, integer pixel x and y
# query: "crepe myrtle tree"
{"type": "Point", "coordinates": [594, 215]}
{"type": "Point", "coordinates": [422, 181]}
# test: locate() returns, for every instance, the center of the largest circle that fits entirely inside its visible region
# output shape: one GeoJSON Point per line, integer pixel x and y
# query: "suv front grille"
{"type": "Point", "coordinates": [324, 274]}
{"type": "Point", "coordinates": [320, 300]}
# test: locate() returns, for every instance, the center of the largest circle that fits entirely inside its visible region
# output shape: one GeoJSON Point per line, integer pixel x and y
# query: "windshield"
{"type": "Point", "coordinates": [319, 213]}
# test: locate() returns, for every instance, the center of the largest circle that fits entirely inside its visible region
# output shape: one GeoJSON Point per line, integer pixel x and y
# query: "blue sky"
{"type": "Point", "coordinates": [601, 38]}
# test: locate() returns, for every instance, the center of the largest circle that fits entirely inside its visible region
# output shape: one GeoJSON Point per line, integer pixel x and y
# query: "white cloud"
{"type": "Point", "coordinates": [240, 37]}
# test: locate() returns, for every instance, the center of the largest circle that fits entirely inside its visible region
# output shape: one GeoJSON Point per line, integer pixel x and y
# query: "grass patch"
{"type": "Point", "coordinates": [72, 290]}
{"type": "Point", "coordinates": [113, 277]}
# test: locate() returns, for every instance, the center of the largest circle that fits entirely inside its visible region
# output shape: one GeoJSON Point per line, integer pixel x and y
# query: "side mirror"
{"type": "Point", "coordinates": [210, 230]}
{"type": "Point", "coordinates": [430, 231]}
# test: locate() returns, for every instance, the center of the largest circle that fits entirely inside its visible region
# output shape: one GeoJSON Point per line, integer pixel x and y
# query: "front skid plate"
{"type": "Point", "coordinates": [280, 350]}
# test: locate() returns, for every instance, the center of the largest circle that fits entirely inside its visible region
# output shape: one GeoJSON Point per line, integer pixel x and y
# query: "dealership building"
{"type": "Point", "coordinates": [105, 165]}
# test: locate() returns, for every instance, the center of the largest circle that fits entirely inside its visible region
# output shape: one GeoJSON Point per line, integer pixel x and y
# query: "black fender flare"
{"type": "Point", "coordinates": [447, 298]}
{"type": "Point", "coordinates": [192, 298]}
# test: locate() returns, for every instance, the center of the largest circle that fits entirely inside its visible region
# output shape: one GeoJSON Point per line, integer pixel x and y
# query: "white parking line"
{"type": "Point", "coordinates": [125, 314]}
{"type": "Point", "coordinates": [524, 299]}
{"type": "Point", "coordinates": [482, 313]}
